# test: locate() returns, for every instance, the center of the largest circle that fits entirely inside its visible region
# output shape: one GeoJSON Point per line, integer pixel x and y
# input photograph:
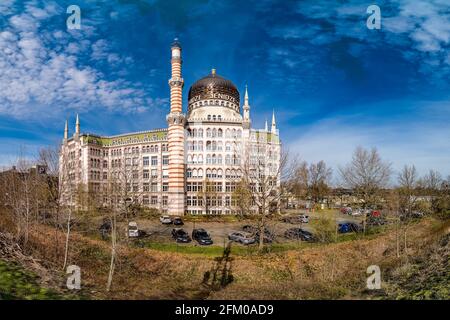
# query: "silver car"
{"type": "Point", "coordinates": [241, 237]}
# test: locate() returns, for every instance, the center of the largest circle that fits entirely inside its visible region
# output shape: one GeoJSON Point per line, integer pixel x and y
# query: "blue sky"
{"type": "Point", "coordinates": [334, 84]}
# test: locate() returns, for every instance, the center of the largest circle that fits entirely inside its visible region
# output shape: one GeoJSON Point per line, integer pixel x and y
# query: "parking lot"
{"type": "Point", "coordinates": [219, 230]}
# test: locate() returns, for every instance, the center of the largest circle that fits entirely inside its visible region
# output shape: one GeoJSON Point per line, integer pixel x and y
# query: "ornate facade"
{"type": "Point", "coordinates": [192, 166]}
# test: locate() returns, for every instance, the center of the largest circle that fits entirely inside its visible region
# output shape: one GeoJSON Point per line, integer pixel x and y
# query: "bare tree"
{"type": "Point", "coordinates": [367, 174]}
{"type": "Point", "coordinates": [408, 183]}
{"type": "Point", "coordinates": [311, 182]}
{"type": "Point", "coordinates": [262, 175]}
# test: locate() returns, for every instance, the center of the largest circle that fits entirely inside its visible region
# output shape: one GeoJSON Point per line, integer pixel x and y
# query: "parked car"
{"type": "Point", "coordinates": [180, 235]}
{"type": "Point", "coordinates": [269, 236]}
{"type": "Point", "coordinates": [346, 210]}
{"type": "Point", "coordinates": [241, 237]}
{"type": "Point", "coordinates": [201, 236]}
{"type": "Point", "coordinates": [105, 228]}
{"type": "Point", "coordinates": [165, 220]}
{"type": "Point", "coordinates": [356, 212]}
{"type": "Point", "coordinates": [302, 218]}
{"type": "Point", "coordinates": [299, 234]}
{"type": "Point", "coordinates": [375, 220]}
{"type": "Point", "coordinates": [133, 231]}
{"type": "Point", "coordinates": [346, 227]}
{"type": "Point", "coordinates": [177, 221]}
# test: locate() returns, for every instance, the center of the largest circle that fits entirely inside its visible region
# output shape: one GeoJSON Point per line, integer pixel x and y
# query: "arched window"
{"type": "Point", "coordinates": [194, 173]}
{"type": "Point", "coordinates": [228, 159]}
{"type": "Point", "coordinates": [219, 173]}
{"type": "Point", "coordinates": [220, 133]}
{"type": "Point", "coordinates": [214, 159]}
{"type": "Point", "coordinates": [200, 173]}
{"type": "Point", "coordinates": [194, 159]}
{"type": "Point", "coordinates": [200, 133]}
{"type": "Point", "coordinates": [189, 159]}
{"type": "Point", "coordinates": [219, 159]}
{"type": "Point", "coordinates": [208, 145]}
{"type": "Point", "coordinates": [188, 173]}
{"type": "Point", "coordinates": [214, 117]}
{"type": "Point", "coordinates": [228, 174]}
{"type": "Point", "coordinates": [208, 159]}
{"type": "Point", "coordinates": [209, 117]}
{"type": "Point", "coordinates": [214, 133]}
{"type": "Point", "coordinates": [228, 147]}
{"type": "Point", "coordinates": [227, 133]}
{"type": "Point", "coordinates": [214, 173]}
{"type": "Point", "coordinates": [200, 159]}
{"type": "Point", "coordinates": [200, 146]}
{"type": "Point", "coordinates": [208, 132]}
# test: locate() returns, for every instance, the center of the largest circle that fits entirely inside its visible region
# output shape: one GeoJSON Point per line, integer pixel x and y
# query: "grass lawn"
{"type": "Point", "coordinates": [215, 250]}
{"type": "Point", "coordinates": [18, 284]}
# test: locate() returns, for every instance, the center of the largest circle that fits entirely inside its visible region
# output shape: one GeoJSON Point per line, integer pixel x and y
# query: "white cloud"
{"type": "Point", "coordinates": [41, 69]}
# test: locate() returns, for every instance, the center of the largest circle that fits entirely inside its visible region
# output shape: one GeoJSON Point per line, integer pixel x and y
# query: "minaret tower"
{"type": "Point", "coordinates": [77, 127]}
{"type": "Point", "coordinates": [274, 124]}
{"type": "Point", "coordinates": [246, 107]}
{"type": "Point", "coordinates": [66, 132]}
{"type": "Point", "coordinates": [176, 121]}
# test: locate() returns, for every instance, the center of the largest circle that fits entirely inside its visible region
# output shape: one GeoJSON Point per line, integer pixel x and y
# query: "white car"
{"type": "Point", "coordinates": [303, 218]}
{"type": "Point", "coordinates": [357, 212]}
{"type": "Point", "coordinates": [133, 231]}
{"type": "Point", "coordinates": [165, 220]}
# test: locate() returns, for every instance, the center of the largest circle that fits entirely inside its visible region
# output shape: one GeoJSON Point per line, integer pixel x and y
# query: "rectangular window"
{"type": "Point", "coordinates": [154, 173]}
{"type": "Point", "coordinates": [165, 186]}
{"type": "Point", "coordinates": [145, 200]}
{"type": "Point", "coordinates": [154, 187]}
{"type": "Point", "coordinates": [165, 173]}
{"type": "Point", "coordinates": [146, 174]}
{"type": "Point", "coordinates": [145, 161]}
{"type": "Point", "coordinates": [146, 187]}
{"type": "Point", "coordinates": [154, 161]}
{"type": "Point", "coordinates": [154, 200]}
{"type": "Point", "coordinates": [165, 200]}
{"type": "Point", "coordinates": [165, 160]}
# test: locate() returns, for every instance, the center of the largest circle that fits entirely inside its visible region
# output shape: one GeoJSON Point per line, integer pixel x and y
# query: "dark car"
{"type": "Point", "coordinates": [202, 237]}
{"type": "Point", "coordinates": [180, 235]}
{"type": "Point", "coordinates": [346, 227]}
{"type": "Point", "coordinates": [268, 235]}
{"type": "Point", "coordinates": [177, 221]}
{"type": "Point", "coordinates": [105, 228]}
{"type": "Point", "coordinates": [299, 234]}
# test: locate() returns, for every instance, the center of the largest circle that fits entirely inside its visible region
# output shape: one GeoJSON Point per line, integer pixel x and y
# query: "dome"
{"type": "Point", "coordinates": [214, 86]}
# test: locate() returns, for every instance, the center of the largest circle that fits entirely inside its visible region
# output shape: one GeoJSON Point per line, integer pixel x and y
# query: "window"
{"type": "Point", "coordinates": [165, 160]}
{"type": "Point", "coordinates": [154, 161]}
{"type": "Point", "coordinates": [154, 173]}
{"type": "Point", "coordinates": [145, 161]}
{"type": "Point", "coordinates": [154, 200]}
{"type": "Point", "coordinates": [165, 187]}
{"type": "Point", "coordinates": [145, 200]}
{"type": "Point", "coordinates": [165, 200]}
{"type": "Point", "coordinates": [165, 173]}
{"type": "Point", "coordinates": [135, 187]}
{"type": "Point", "coordinates": [146, 174]}
{"type": "Point", "coordinates": [146, 187]}
{"type": "Point", "coordinates": [154, 187]}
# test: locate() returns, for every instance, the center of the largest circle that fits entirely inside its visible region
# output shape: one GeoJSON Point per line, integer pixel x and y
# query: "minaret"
{"type": "Point", "coordinates": [247, 122]}
{"type": "Point", "coordinates": [66, 132]}
{"type": "Point", "coordinates": [77, 127]}
{"type": "Point", "coordinates": [176, 121]}
{"type": "Point", "coordinates": [274, 125]}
